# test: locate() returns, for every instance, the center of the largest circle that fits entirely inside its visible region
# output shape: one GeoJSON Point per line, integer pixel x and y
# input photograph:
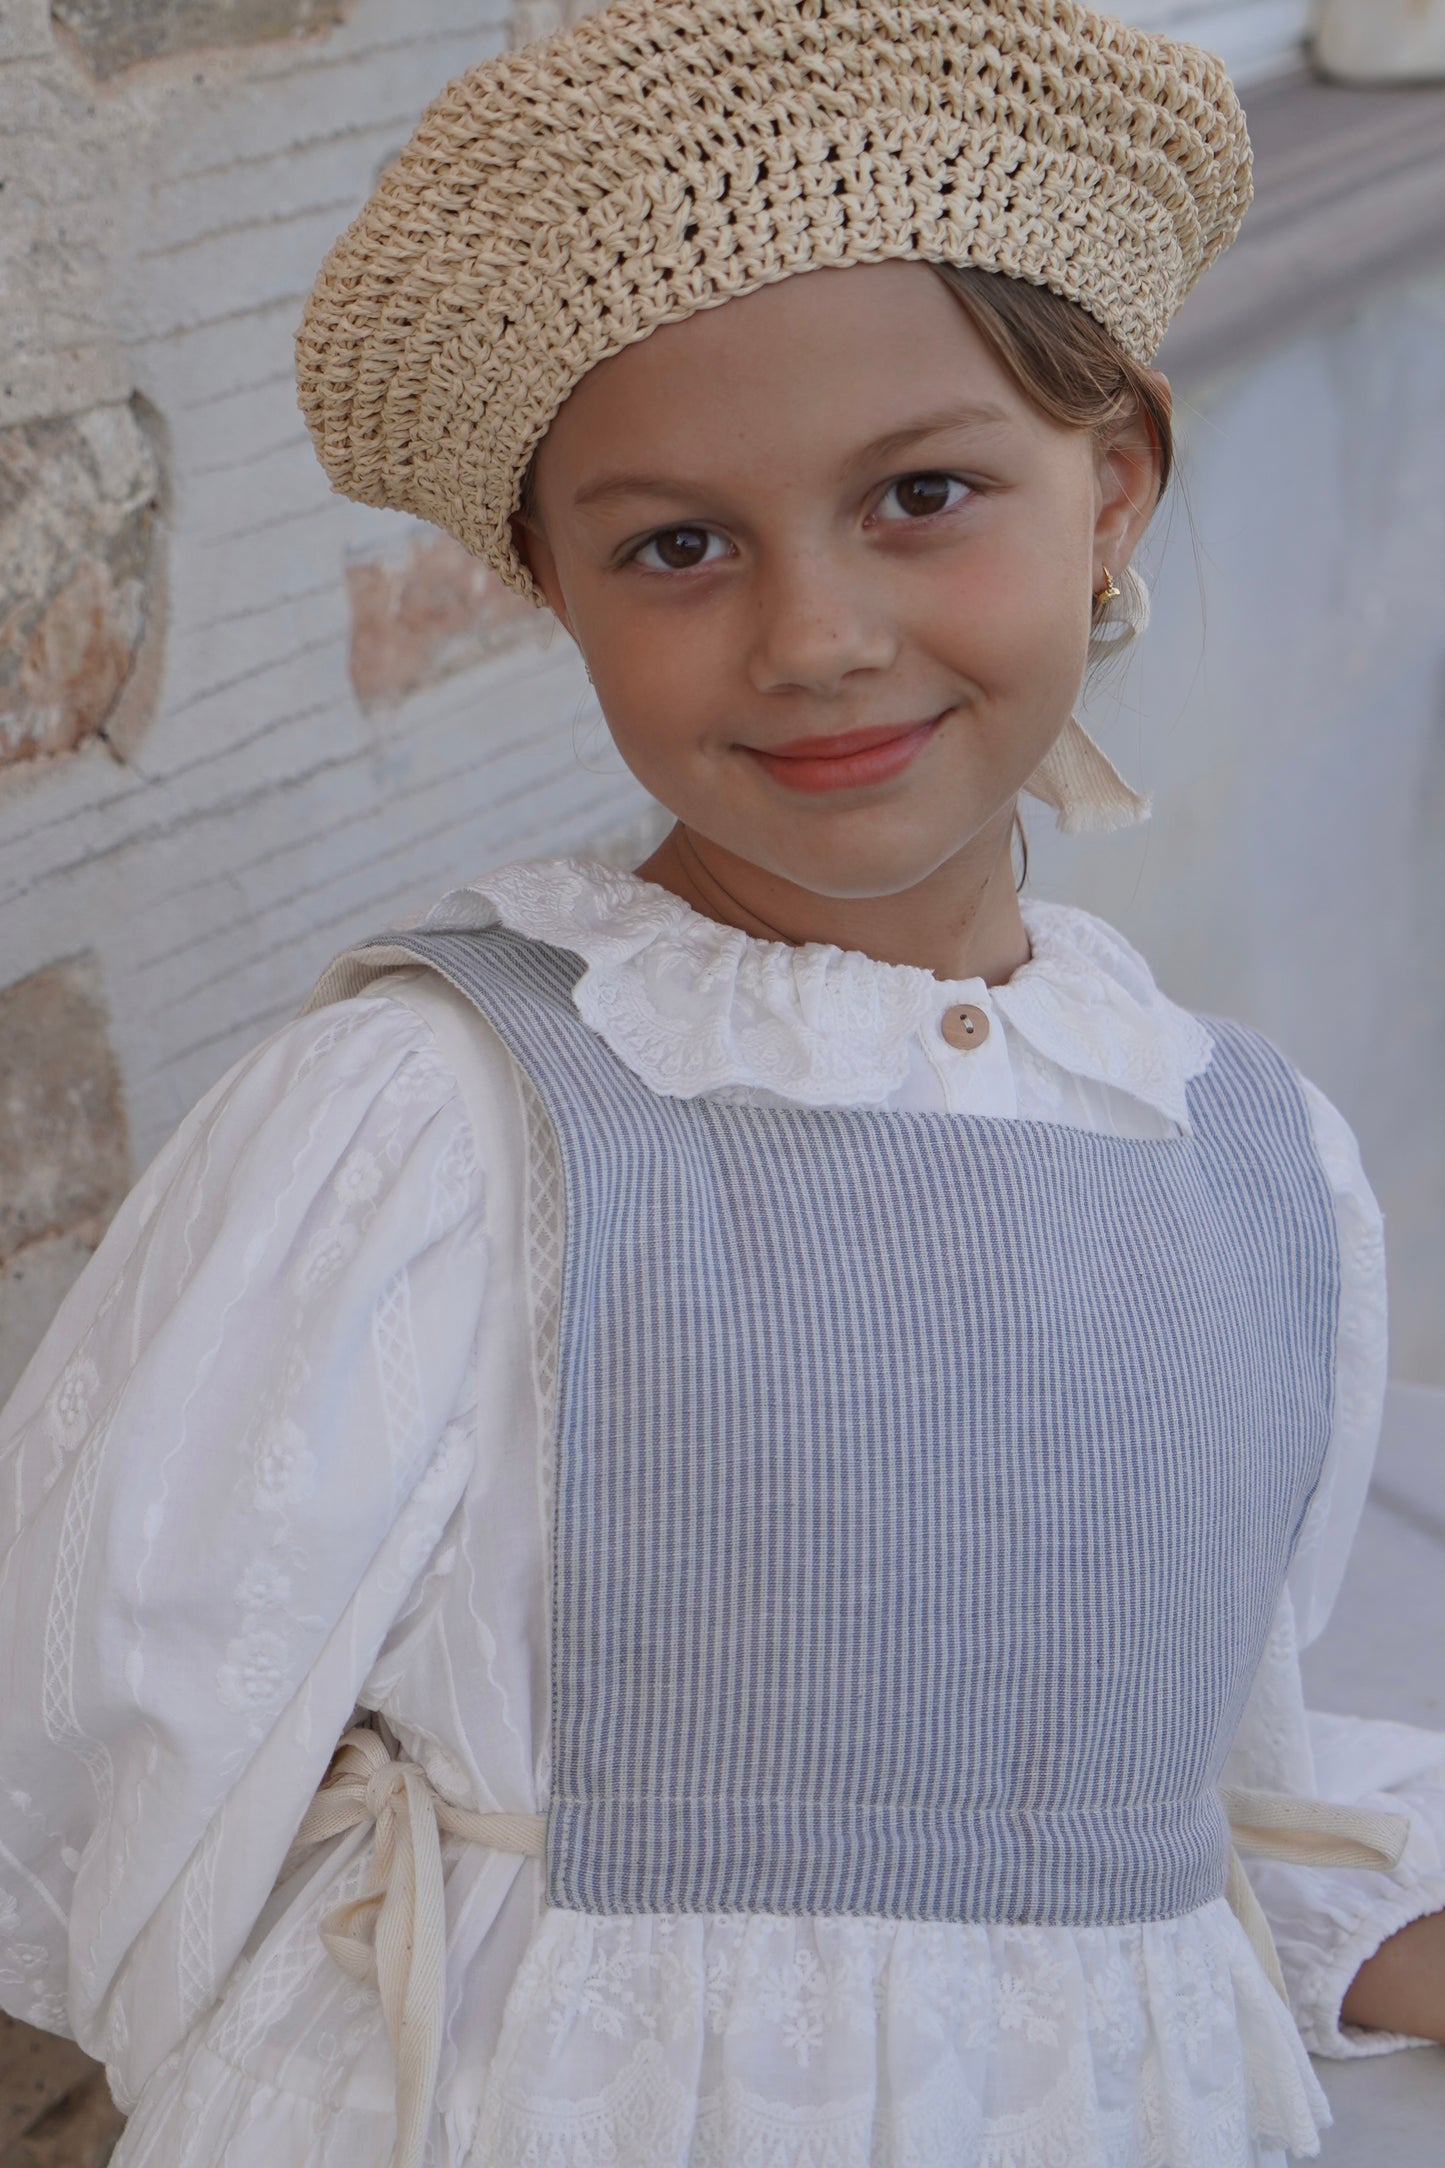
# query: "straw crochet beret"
{"type": "Point", "coordinates": [661, 156]}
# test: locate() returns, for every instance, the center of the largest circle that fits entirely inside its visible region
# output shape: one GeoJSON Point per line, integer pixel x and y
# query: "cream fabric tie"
{"type": "Point", "coordinates": [1077, 778]}
{"type": "Point", "coordinates": [396, 1933]}
{"type": "Point", "coordinates": [1306, 1833]}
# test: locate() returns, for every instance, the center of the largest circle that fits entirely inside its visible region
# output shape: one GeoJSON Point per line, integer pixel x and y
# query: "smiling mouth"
{"type": "Point", "coordinates": [850, 761]}
{"type": "Point", "coordinates": [850, 741]}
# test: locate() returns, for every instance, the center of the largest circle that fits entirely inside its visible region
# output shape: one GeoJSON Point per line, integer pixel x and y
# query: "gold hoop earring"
{"type": "Point", "coordinates": [1108, 592]}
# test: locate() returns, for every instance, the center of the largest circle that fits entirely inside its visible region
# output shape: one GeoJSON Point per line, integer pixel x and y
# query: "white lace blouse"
{"type": "Point", "coordinates": [285, 1451]}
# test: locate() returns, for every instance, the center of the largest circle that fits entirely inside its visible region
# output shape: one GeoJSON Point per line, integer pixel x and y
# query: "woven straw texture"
{"type": "Point", "coordinates": [662, 156]}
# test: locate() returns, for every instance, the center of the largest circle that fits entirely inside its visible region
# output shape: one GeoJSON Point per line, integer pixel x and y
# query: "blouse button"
{"type": "Point", "coordinates": [964, 1026]}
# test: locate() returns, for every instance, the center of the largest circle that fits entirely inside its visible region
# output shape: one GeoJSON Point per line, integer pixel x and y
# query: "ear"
{"type": "Point", "coordinates": [532, 546]}
{"type": "Point", "coordinates": [1127, 468]}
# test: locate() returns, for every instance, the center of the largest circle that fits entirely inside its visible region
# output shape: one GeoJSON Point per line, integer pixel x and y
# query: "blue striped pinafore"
{"type": "Point", "coordinates": [925, 1484]}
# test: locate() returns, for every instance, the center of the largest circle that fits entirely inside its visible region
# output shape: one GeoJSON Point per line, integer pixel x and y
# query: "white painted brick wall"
{"type": "Point", "coordinates": [1255, 38]}
{"type": "Point", "coordinates": [177, 217]}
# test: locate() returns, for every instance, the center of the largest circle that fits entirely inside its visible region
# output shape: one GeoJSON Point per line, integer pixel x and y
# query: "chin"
{"type": "Point", "coordinates": [862, 859]}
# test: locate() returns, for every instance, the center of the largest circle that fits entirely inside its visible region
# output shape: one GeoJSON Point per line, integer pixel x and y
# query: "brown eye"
{"type": "Point", "coordinates": [678, 548]}
{"type": "Point", "coordinates": [922, 494]}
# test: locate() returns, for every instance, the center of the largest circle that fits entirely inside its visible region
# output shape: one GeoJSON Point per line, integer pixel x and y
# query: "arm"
{"type": "Point", "coordinates": [1341, 1933]}
{"type": "Point", "coordinates": [219, 1478]}
{"type": "Point", "coordinates": [1401, 1989]}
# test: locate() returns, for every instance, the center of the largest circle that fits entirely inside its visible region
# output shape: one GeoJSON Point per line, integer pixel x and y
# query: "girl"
{"type": "Point", "coordinates": [788, 1409]}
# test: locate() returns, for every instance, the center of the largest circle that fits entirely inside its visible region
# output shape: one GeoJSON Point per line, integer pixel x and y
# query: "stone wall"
{"type": "Point", "coordinates": [81, 574]}
{"type": "Point", "coordinates": [64, 1146]}
{"type": "Point", "coordinates": [55, 2111]}
{"type": "Point", "coordinates": [240, 718]}
{"type": "Point", "coordinates": [112, 35]}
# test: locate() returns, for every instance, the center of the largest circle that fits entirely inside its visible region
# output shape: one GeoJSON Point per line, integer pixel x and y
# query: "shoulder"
{"type": "Point", "coordinates": [367, 1066]}
{"type": "Point", "coordinates": [1076, 951]}
{"type": "Point", "coordinates": [1089, 1002]}
{"type": "Point", "coordinates": [1335, 1144]}
{"type": "Point", "coordinates": [1087, 948]}
{"type": "Point", "coordinates": [1339, 1154]}
{"type": "Point", "coordinates": [336, 1140]}
{"type": "Point", "coordinates": [317, 1225]}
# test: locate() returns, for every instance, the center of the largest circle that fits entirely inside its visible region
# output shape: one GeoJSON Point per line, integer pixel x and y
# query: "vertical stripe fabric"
{"type": "Point", "coordinates": [925, 1483]}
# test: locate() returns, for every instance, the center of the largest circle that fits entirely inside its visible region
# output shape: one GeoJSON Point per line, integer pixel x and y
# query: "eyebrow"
{"type": "Point", "coordinates": [639, 485]}
{"type": "Point", "coordinates": [884, 447]}
{"type": "Point", "coordinates": [931, 425]}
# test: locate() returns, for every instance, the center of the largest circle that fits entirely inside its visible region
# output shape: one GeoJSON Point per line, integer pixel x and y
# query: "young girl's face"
{"type": "Point", "coordinates": [820, 509]}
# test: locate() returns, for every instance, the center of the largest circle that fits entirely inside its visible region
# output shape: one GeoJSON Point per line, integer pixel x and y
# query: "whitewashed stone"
{"type": "Point", "coordinates": [426, 611]}
{"type": "Point", "coordinates": [116, 34]}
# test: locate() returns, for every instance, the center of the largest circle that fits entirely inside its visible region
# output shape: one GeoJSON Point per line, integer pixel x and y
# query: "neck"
{"type": "Point", "coordinates": [960, 922]}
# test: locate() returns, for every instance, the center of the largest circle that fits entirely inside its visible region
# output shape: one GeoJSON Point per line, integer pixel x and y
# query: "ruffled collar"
{"type": "Point", "coordinates": [692, 1006]}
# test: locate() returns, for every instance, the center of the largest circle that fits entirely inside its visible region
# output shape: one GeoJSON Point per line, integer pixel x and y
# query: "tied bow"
{"type": "Point", "coordinates": [396, 1933]}
{"type": "Point", "coordinates": [1305, 1833]}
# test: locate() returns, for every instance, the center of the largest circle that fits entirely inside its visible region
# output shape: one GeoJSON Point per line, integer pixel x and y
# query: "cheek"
{"type": "Point", "coordinates": [1015, 632]}
{"type": "Point", "coordinates": [657, 672]}
{"type": "Point", "coordinates": [1016, 611]}
{"type": "Point", "coordinates": [660, 706]}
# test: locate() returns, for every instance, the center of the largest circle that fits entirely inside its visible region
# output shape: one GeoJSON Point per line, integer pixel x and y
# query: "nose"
{"type": "Point", "coordinates": [817, 623]}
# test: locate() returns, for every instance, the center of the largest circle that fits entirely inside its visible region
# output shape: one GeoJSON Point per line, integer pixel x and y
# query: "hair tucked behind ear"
{"type": "Point", "coordinates": [1072, 371]}
{"type": "Point", "coordinates": [1060, 358]}
{"type": "Point", "coordinates": [1069, 367]}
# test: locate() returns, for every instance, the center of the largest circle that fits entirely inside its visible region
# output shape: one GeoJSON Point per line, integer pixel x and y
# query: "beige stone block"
{"type": "Point", "coordinates": [64, 1150]}
{"type": "Point", "coordinates": [115, 34]}
{"type": "Point", "coordinates": [80, 567]}
{"type": "Point", "coordinates": [36, 2070]}
{"type": "Point", "coordinates": [55, 2107]}
{"type": "Point", "coordinates": [80, 2131]}
{"type": "Point", "coordinates": [427, 612]}
{"type": "Point", "coordinates": [34, 1281]}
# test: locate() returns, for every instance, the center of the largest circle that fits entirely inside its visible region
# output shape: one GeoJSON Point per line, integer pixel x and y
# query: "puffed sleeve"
{"type": "Point", "coordinates": [220, 1476]}
{"type": "Point", "coordinates": [1328, 1921]}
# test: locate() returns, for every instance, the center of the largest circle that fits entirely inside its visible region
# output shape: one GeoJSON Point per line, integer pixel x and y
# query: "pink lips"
{"type": "Point", "coordinates": [840, 763]}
